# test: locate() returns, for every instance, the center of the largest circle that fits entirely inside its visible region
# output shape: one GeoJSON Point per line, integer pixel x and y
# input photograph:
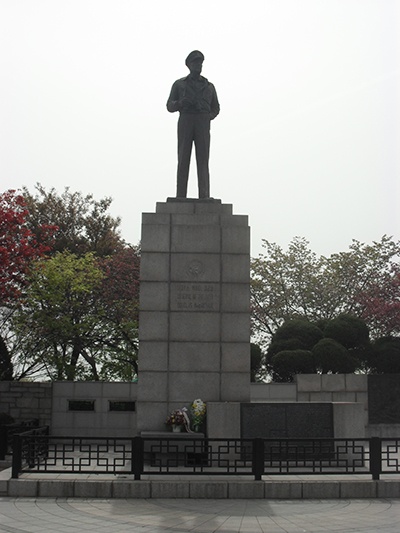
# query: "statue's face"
{"type": "Point", "coordinates": [195, 66]}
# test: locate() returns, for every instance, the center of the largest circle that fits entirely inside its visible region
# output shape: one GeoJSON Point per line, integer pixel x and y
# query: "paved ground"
{"type": "Point", "coordinates": [29, 515]}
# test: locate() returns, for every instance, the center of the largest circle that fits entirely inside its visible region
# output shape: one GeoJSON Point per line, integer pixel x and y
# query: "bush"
{"type": "Point", "coordinates": [331, 356]}
{"type": "Point", "coordinates": [285, 364]}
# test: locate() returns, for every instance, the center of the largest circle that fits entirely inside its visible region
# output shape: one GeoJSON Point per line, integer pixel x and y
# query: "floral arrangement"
{"type": "Point", "coordinates": [198, 410]}
{"type": "Point", "coordinates": [178, 417]}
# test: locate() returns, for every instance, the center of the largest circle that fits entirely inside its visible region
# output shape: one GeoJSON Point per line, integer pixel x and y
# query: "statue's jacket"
{"type": "Point", "coordinates": [200, 97]}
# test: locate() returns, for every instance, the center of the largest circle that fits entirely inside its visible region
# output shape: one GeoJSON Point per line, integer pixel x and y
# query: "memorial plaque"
{"type": "Point", "coordinates": [194, 297]}
{"type": "Point", "coordinates": [286, 420]}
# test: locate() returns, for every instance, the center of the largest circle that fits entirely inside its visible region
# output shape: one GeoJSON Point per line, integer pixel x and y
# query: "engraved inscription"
{"type": "Point", "coordinates": [195, 297]}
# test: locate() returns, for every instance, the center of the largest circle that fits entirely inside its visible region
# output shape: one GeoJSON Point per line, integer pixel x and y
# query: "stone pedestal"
{"type": "Point", "coordinates": [194, 308]}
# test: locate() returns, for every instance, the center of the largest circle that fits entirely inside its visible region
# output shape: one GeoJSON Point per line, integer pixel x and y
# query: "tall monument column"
{"type": "Point", "coordinates": [194, 322]}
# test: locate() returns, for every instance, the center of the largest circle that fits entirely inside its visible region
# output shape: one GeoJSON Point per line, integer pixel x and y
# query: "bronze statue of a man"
{"type": "Point", "coordinates": [196, 100]}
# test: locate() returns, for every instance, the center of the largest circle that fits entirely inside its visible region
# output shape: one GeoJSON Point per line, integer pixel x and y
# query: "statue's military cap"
{"type": "Point", "coordinates": [194, 55]}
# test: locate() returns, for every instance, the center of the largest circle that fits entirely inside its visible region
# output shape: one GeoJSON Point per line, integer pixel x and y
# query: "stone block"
{"type": "Point", "coordinates": [151, 415]}
{"type": "Point", "coordinates": [235, 239]}
{"type": "Point", "coordinates": [153, 326]}
{"type": "Point", "coordinates": [389, 489]}
{"type": "Point", "coordinates": [117, 389]}
{"type": "Point", "coordinates": [195, 239]}
{"type": "Point", "coordinates": [195, 267]}
{"type": "Point", "coordinates": [235, 220]}
{"type": "Point", "coordinates": [303, 396]}
{"type": "Point", "coordinates": [213, 207]}
{"type": "Point", "coordinates": [153, 356]}
{"type": "Point", "coordinates": [59, 488]}
{"type": "Point", "coordinates": [308, 382]}
{"type": "Point", "coordinates": [199, 219]}
{"type": "Point", "coordinates": [154, 296]}
{"type": "Point", "coordinates": [92, 489]}
{"type": "Point", "coordinates": [223, 420]}
{"type": "Point", "coordinates": [283, 490]}
{"type": "Point", "coordinates": [246, 490]}
{"type": "Point", "coordinates": [208, 489]}
{"type": "Point", "coordinates": [236, 268]}
{"type": "Point", "coordinates": [155, 238]}
{"type": "Point", "coordinates": [23, 488]}
{"type": "Point", "coordinates": [235, 297]}
{"type": "Point", "coordinates": [283, 391]}
{"type": "Point", "coordinates": [362, 397]}
{"type": "Point", "coordinates": [194, 356]}
{"type": "Point", "coordinates": [131, 489]}
{"type": "Point", "coordinates": [156, 218]}
{"type": "Point", "coordinates": [320, 396]}
{"type": "Point", "coordinates": [348, 420]}
{"type": "Point", "coordinates": [333, 382]}
{"type": "Point", "coordinates": [190, 327]}
{"type": "Point", "coordinates": [167, 489]}
{"type": "Point", "coordinates": [153, 386]}
{"type": "Point", "coordinates": [235, 357]}
{"type": "Point", "coordinates": [235, 387]}
{"type": "Point", "coordinates": [356, 382]}
{"type": "Point", "coordinates": [321, 490]}
{"type": "Point", "coordinates": [235, 327]}
{"type": "Point", "coordinates": [358, 489]}
{"type": "Point", "coordinates": [63, 389]}
{"type": "Point", "coordinates": [175, 207]}
{"type": "Point", "coordinates": [184, 388]}
{"type": "Point", "coordinates": [343, 396]}
{"type": "Point", "coordinates": [154, 266]}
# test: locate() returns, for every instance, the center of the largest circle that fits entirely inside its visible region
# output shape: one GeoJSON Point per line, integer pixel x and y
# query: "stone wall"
{"type": "Point", "coordinates": [102, 421]}
{"type": "Point", "coordinates": [24, 401]}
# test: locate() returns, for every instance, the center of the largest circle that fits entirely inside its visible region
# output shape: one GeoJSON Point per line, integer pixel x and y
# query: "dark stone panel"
{"type": "Point", "coordinates": [286, 420]}
{"type": "Point", "coordinates": [384, 399]}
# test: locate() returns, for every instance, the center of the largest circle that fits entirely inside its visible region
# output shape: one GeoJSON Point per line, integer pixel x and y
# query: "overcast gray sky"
{"type": "Point", "coordinates": [307, 142]}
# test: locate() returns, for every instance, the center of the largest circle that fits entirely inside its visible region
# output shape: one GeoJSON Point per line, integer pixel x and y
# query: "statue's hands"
{"type": "Point", "coordinates": [184, 102]}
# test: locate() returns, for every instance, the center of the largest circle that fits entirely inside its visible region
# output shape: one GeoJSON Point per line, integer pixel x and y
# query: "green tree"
{"type": "Point", "coordinates": [331, 357]}
{"type": "Point", "coordinates": [61, 312]}
{"type": "Point", "coordinates": [298, 283]}
{"type": "Point", "coordinates": [286, 364]}
{"type": "Point", "coordinates": [339, 345]}
{"type": "Point", "coordinates": [79, 318]}
{"type": "Point", "coordinates": [84, 224]}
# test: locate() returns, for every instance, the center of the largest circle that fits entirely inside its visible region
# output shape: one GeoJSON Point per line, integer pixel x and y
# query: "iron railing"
{"type": "Point", "coordinates": [36, 451]}
{"type": "Point", "coordinates": [7, 431]}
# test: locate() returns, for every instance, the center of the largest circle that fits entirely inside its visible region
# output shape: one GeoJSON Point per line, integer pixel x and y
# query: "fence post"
{"type": "Point", "coordinates": [375, 457]}
{"type": "Point", "coordinates": [3, 442]}
{"type": "Point", "coordinates": [258, 458]}
{"type": "Point", "coordinates": [16, 456]}
{"type": "Point", "coordinates": [137, 461]}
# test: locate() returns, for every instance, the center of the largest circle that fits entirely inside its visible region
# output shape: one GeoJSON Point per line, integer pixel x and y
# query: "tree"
{"type": "Point", "coordinates": [84, 224]}
{"type": "Point", "coordinates": [339, 345]}
{"type": "Point", "coordinates": [79, 317]}
{"type": "Point", "coordinates": [286, 364]}
{"type": "Point", "coordinates": [297, 283]}
{"type": "Point", "coordinates": [60, 312]}
{"type": "Point", "coordinates": [380, 304]}
{"type": "Point", "coordinates": [18, 247]}
{"type": "Point", "coordinates": [331, 357]}
{"type": "Point", "coordinates": [256, 361]}
{"type": "Point", "coordinates": [385, 356]}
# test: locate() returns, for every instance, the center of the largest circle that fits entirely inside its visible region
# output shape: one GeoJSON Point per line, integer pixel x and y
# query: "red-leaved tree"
{"type": "Point", "coordinates": [18, 247]}
{"type": "Point", "coordinates": [381, 305]}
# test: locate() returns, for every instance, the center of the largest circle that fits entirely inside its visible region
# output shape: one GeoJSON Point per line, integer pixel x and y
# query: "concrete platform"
{"type": "Point", "coordinates": [198, 487]}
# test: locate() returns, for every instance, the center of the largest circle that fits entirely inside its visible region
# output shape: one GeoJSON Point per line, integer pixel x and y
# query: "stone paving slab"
{"type": "Point", "coordinates": [63, 515]}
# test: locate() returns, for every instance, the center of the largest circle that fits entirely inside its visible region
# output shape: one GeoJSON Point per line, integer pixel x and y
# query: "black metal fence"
{"type": "Point", "coordinates": [36, 451]}
{"type": "Point", "coordinates": [7, 431]}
